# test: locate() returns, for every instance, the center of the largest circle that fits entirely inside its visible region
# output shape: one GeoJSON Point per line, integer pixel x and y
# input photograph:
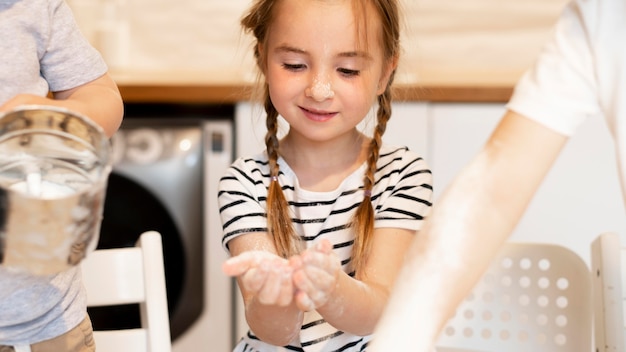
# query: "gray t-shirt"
{"type": "Point", "coordinates": [42, 50]}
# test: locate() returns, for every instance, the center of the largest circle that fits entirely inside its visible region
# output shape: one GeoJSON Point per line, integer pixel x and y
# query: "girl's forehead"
{"type": "Point", "coordinates": [324, 23]}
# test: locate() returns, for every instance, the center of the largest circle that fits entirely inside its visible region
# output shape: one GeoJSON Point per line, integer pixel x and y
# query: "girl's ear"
{"type": "Point", "coordinates": [388, 69]}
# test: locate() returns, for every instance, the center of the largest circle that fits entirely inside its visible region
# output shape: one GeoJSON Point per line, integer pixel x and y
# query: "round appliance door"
{"type": "Point", "coordinates": [156, 184]}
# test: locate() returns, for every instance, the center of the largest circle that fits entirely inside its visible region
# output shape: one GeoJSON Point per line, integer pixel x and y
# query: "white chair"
{"type": "Point", "coordinates": [533, 298]}
{"type": "Point", "coordinates": [608, 262]}
{"type": "Point", "coordinates": [131, 275]}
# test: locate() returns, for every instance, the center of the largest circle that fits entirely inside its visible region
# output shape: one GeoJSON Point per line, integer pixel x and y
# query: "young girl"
{"type": "Point", "coordinates": [318, 224]}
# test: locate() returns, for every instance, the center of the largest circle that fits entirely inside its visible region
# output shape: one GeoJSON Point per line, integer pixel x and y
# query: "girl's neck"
{"type": "Point", "coordinates": [323, 166]}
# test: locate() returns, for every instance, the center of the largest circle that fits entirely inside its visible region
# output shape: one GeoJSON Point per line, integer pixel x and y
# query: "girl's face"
{"type": "Point", "coordinates": [323, 79]}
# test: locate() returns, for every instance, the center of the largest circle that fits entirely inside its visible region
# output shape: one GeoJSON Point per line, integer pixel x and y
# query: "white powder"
{"type": "Point", "coordinates": [321, 90]}
{"type": "Point", "coordinates": [239, 264]}
{"type": "Point", "coordinates": [36, 187]}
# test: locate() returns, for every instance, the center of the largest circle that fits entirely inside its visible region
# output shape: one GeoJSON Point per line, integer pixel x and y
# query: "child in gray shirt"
{"type": "Point", "coordinates": [47, 61]}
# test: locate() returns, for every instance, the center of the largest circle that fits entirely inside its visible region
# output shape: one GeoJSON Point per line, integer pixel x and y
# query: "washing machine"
{"type": "Point", "coordinates": [167, 164]}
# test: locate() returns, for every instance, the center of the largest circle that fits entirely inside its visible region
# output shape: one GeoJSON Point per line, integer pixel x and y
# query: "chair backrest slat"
{"type": "Point", "coordinates": [114, 277]}
{"type": "Point", "coordinates": [121, 276]}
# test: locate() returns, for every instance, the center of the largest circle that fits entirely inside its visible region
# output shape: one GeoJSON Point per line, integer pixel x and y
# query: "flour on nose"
{"type": "Point", "coordinates": [322, 90]}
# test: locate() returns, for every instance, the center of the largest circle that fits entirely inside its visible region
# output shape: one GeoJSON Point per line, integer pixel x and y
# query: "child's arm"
{"type": "Point", "coordinates": [98, 100]}
{"type": "Point", "coordinates": [351, 304]}
{"type": "Point", "coordinates": [265, 281]}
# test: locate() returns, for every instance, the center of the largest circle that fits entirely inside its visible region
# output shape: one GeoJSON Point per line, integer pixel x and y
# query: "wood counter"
{"type": "Point", "coordinates": [232, 93]}
{"type": "Point", "coordinates": [231, 87]}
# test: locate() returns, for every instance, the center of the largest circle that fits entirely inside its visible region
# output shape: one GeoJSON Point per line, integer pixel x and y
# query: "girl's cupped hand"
{"type": "Point", "coordinates": [309, 277]}
{"type": "Point", "coordinates": [263, 274]}
{"type": "Point", "coordinates": [315, 275]}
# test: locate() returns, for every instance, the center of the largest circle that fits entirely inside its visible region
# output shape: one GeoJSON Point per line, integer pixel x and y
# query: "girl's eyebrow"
{"type": "Point", "coordinates": [356, 54]}
{"type": "Point", "coordinates": [349, 54]}
{"type": "Point", "coordinates": [289, 49]}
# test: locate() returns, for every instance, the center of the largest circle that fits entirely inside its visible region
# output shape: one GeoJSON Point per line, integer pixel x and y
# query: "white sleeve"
{"type": "Point", "coordinates": [559, 90]}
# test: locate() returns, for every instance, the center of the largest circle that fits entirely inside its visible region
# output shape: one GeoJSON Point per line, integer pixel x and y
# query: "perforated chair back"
{"type": "Point", "coordinates": [534, 297]}
{"type": "Point", "coordinates": [126, 276]}
{"type": "Point", "coordinates": [608, 264]}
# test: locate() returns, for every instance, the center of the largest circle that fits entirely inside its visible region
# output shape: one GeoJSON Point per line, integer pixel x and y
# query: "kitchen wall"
{"type": "Point", "coordinates": [446, 41]}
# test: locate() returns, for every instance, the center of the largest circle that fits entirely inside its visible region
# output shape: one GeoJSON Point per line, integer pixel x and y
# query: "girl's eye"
{"type": "Point", "coordinates": [348, 72]}
{"type": "Point", "coordinates": [293, 67]}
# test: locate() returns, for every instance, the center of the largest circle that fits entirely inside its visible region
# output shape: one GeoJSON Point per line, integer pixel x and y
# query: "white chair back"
{"type": "Point", "coordinates": [125, 276]}
{"type": "Point", "coordinates": [534, 297]}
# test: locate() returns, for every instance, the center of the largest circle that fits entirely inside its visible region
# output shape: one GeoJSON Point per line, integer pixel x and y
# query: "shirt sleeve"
{"type": "Point", "coordinates": [242, 206]}
{"type": "Point", "coordinates": [410, 200]}
{"type": "Point", "coordinates": [69, 60]}
{"type": "Point", "coordinates": [559, 90]}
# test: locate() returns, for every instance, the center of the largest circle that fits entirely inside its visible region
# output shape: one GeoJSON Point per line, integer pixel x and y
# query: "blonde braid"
{"type": "Point", "coordinates": [279, 224]}
{"type": "Point", "coordinates": [363, 221]}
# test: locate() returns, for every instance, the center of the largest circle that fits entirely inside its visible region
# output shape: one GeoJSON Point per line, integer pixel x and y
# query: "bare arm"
{"type": "Point", "coordinates": [349, 304]}
{"type": "Point", "coordinates": [475, 215]}
{"type": "Point", "coordinates": [264, 280]}
{"type": "Point", "coordinates": [99, 100]}
{"type": "Point", "coordinates": [356, 304]}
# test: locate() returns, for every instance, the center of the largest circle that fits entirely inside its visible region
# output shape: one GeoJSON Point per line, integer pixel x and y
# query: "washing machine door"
{"type": "Point", "coordinates": [156, 184]}
{"type": "Point", "coordinates": [131, 209]}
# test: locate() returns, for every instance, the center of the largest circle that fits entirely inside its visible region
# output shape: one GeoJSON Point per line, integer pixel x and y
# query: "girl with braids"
{"type": "Point", "coordinates": [317, 225]}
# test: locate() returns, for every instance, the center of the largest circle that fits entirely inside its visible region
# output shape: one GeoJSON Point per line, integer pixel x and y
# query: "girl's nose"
{"type": "Point", "coordinates": [320, 89]}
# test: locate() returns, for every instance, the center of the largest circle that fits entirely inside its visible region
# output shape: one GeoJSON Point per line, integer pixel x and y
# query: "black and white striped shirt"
{"type": "Point", "coordinates": [401, 198]}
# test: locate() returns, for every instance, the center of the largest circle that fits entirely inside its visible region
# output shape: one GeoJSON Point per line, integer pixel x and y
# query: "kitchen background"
{"type": "Point", "coordinates": [445, 41]}
{"type": "Point", "coordinates": [461, 60]}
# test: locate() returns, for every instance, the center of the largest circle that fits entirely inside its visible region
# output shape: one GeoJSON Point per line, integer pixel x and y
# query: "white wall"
{"type": "Point", "coordinates": [580, 197]}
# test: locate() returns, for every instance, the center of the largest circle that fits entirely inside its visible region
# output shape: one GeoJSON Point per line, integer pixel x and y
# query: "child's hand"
{"type": "Point", "coordinates": [315, 275]}
{"type": "Point", "coordinates": [263, 274]}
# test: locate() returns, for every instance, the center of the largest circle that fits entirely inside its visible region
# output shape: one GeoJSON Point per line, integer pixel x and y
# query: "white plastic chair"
{"type": "Point", "coordinates": [534, 297]}
{"type": "Point", "coordinates": [125, 276]}
{"type": "Point", "coordinates": [608, 263]}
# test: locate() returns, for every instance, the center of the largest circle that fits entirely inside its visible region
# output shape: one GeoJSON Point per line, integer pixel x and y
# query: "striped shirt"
{"type": "Point", "coordinates": [401, 198]}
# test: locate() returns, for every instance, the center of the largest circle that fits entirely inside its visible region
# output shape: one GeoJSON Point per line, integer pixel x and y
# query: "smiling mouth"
{"type": "Point", "coordinates": [317, 115]}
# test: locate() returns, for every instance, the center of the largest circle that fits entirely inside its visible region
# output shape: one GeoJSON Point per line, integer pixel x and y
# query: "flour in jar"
{"type": "Point", "coordinates": [35, 186]}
